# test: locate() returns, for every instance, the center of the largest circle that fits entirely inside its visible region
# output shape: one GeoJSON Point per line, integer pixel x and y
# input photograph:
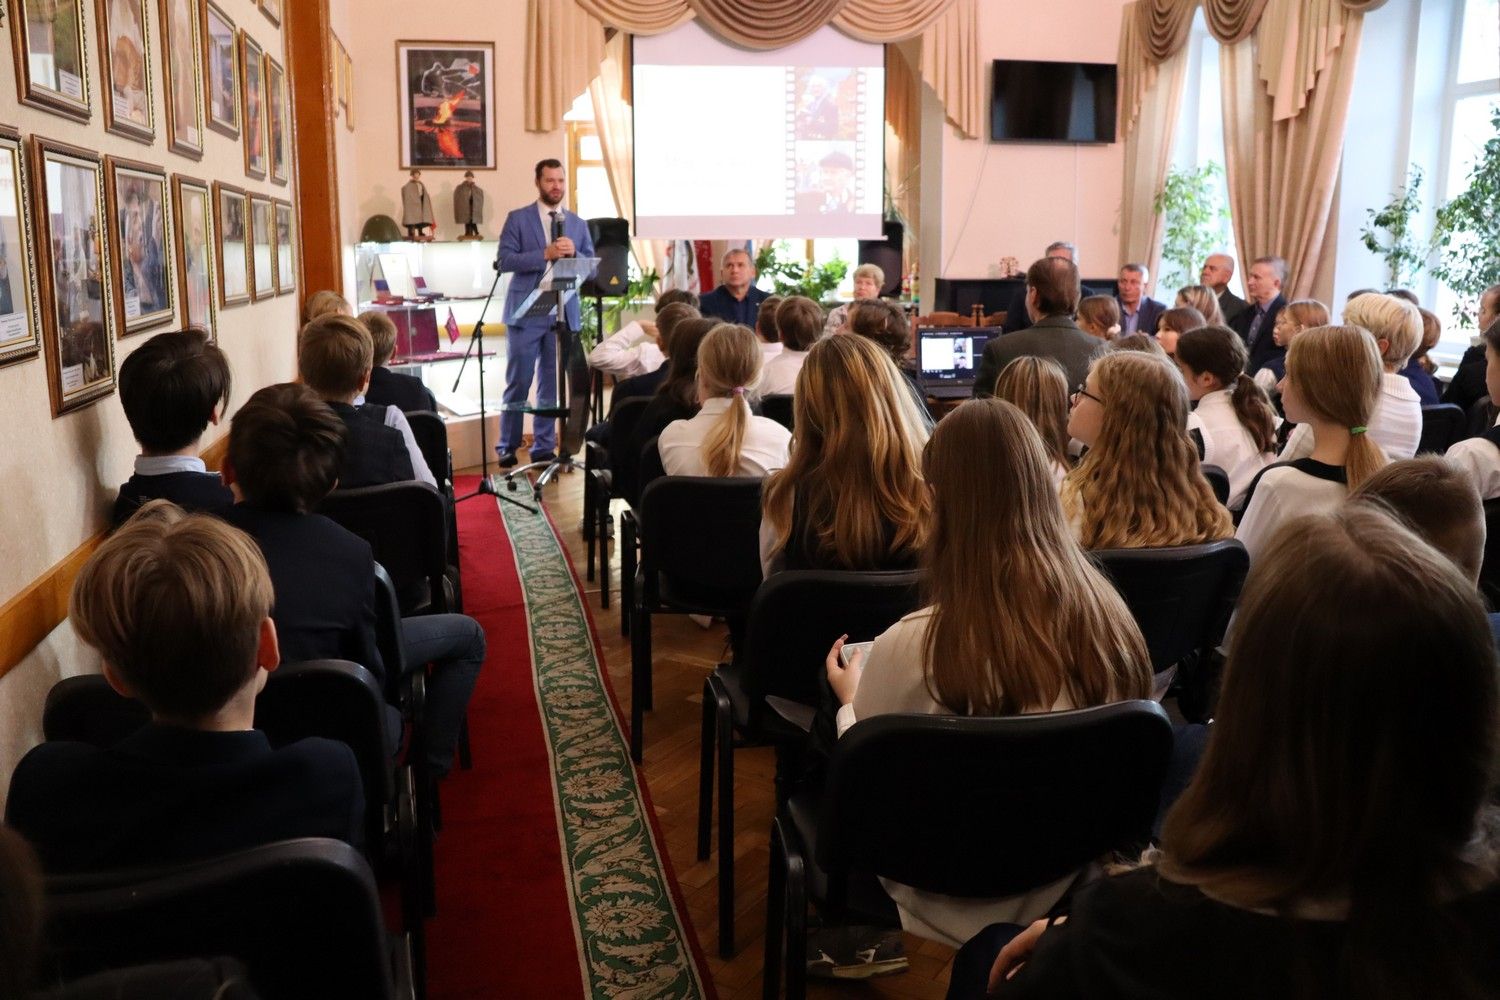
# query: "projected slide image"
{"type": "Point", "coordinates": [826, 101]}
{"type": "Point", "coordinates": [827, 177]}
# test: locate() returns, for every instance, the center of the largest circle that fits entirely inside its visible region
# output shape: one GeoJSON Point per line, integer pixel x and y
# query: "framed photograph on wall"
{"type": "Point", "coordinates": [73, 274]}
{"type": "Point", "coordinates": [347, 74]}
{"type": "Point", "coordinates": [447, 105]}
{"type": "Point", "coordinates": [182, 64]}
{"type": "Point", "coordinates": [231, 228]}
{"type": "Point", "coordinates": [272, 10]}
{"type": "Point", "coordinates": [193, 208]}
{"type": "Point", "coordinates": [124, 29]}
{"type": "Point", "coordinates": [20, 314]}
{"type": "Point", "coordinates": [221, 74]}
{"type": "Point", "coordinates": [286, 252]}
{"type": "Point", "coordinates": [139, 205]}
{"type": "Point", "coordinates": [279, 145]}
{"type": "Point", "coordinates": [51, 61]}
{"type": "Point", "coordinates": [263, 249]}
{"type": "Point", "coordinates": [252, 75]}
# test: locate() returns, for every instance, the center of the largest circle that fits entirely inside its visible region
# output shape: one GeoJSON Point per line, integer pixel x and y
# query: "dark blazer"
{"type": "Point", "coordinates": [1148, 313]}
{"type": "Point", "coordinates": [323, 577]}
{"type": "Point", "coordinates": [1016, 316]}
{"type": "Point", "coordinates": [192, 491]}
{"type": "Point", "coordinates": [374, 454]}
{"type": "Point", "coordinates": [165, 795]}
{"type": "Point", "coordinates": [1230, 304]}
{"type": "Point", "coordinates": [405, 392]}
{"type": "Point", "coordinates": [1467, 386]}
{"type": "Point", "coordinates": [1264, 348]}
{"type": "Point", "coordinates": [721, 305]}
{"type": "Point", "coordinates": [1055, 337]}
{"type": "Point", "coordinates": [637, 386]}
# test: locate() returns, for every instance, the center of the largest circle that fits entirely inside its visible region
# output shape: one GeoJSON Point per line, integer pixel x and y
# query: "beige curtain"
{"type": "Point", "coordinates": [613, 122]}
{"type": "Point", "coordinates": [1283, 172]}
{"type": "Point", "coordinates": [564, 47]}
{"type": "Point", "coordinates": [1148, 130]}
{"type": "Point", "coordinates": [903, 113]}
{"type": "Point", "coordinates": [952, 67]}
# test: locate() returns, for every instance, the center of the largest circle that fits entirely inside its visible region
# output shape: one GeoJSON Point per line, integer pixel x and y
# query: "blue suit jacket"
{"type": "Point", "coordinates": [522, 242]}
{"type": "Point", "coordinates": [1148, 312]}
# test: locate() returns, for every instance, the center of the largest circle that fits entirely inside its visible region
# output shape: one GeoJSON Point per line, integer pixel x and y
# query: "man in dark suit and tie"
{"type": "Point", "coordinates": [1254, 323]}
{"type": "Point", "coordinates": [736, 300]}
{"type": "Point", "coordinates": [1052, 291]}
{"type": "Point", "coordinates": [1138, 311]}
{"type": "Point", "coordinates": [1217, 270]}
{"type": "Point", "coordinates": [533, 237]}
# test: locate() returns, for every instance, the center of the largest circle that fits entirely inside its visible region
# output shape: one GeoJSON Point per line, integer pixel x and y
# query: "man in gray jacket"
{"type": "Point", "coordinates": [1052, 292]}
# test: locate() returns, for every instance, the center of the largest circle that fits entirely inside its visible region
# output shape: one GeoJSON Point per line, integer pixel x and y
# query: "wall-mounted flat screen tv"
{"type": "Point", "coordinates": [1053, 102]}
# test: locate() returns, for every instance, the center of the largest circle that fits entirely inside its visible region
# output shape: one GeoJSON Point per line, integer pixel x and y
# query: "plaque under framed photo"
{"type": "Point", "coordinates": [263, 249]}
{"type": "Point", "coordinates": [232, 230]}
{"type": "Point", "coordinates": [192, 206]}
{"type": "Point", "coordinates": [286, 252]}
{"type": "Point", "coordinates": [124, 29]}
{"type": "Point", "coordinates": [73, 274]}
{"type": "Point", "coordinates": [182, 63]}
{"type": "Point", "coordinates": [140, 207]}
{"type": "Point", "coordinates": [221, 71]}
{"type": "Point", "coordinates": [20, 315]}
{"type": "Point", "coordinates": [52, 69]}
{"type": "Point", "coordinates": [446, 92]}
{"type": "Point", "coordinates": [253, 80]}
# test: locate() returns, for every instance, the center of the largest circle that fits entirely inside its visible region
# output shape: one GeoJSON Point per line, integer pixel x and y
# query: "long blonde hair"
{"type": "Point", "coordinates": [1337, 371]}
{"type": "Point", "coordinates": [1039, 387]}
{"type": "Point", "coordinates": [729, 364]}
{"type": "Point", "coordinates": [1020, 616]}
{"type": "Point", "coordinates": [855, 471]}
{"type": "Point", "coordinates": [1203, 299]}
{"type": "Point", "coordinates": [1140, 484]}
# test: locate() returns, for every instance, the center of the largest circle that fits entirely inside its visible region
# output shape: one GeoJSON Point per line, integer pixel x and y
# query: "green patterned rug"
{"type": "Point", "coordinates": [633, 938]}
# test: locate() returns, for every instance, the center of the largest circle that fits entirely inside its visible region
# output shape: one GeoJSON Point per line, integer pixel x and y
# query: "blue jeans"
{"type": "Point", "coordinates": [526, 344]}
{"type": "Point", "coordinates": [454, 645]}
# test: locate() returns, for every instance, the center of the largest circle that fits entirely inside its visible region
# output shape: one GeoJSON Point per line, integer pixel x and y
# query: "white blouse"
{"type": "Point", "coordinates": [1227, 444]}
{"type": "Point", "coordinates": [1284, 493]}
{"type": "Point", "coordinates": [1396, 424]}
{"type": "Point", "coordinates": [779, 377]}
{"type": "Point", "coordinates": [1481, 460]}
{"type": "Point", "coordinates": [894, 680]}
{"type": "Point", "coordinates": [764, 449]}
{"type": "Point", "coordinates": [627, 353]}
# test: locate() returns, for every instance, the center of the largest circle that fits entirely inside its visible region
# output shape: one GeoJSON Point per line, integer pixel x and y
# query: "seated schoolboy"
{"type": "Point", "coordinates": [767, 327]}
{"type": "Point", "coordinates": [335, 356]}
{"type": "Point", "coordinates": [387, 388]}
{"type": "Point", "coordinates": [799, 324]}
{"type": "Point", "coordinates": [637, 348]}
{"type": "Point", "coordinates": [172, 387]}
{"type": "Point", "coordinates": [179, 608]}
{"type": "Point", "coordinates": [285, 451]}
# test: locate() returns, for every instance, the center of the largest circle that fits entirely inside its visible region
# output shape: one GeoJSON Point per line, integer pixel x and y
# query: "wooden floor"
{"type": "Point", "coordinates": [684, 654]}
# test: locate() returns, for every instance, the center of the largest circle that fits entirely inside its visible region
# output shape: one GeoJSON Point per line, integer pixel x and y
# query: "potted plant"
{"type": "Point", "coordinates": [790, 276]}
{"type": "Point", "coordinates": [1467, 232]}
{"type": "Point", "coordinates": [1194, 222]}
{"type": "Point", "coordinates": [1387, 233]}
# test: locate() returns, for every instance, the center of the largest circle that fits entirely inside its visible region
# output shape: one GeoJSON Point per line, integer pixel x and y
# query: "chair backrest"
{"type": "Point", "coordinates": [944, 319]}
{"type": "Point", "coordinates": [1218, 481]}
{"type": "Point", "coordinates": [303, 916]}
{"type": "Point", "coordinates": [85, 709]}
{"type": "Point", "coordinates": [623, 420]}
{"type": "Point", "coordinates": [648, 469]}
{"type": "Point", "coordinates": [980, 807]}
{"type": "Point", "coordinates": [797, 615]}
{"type": "Point", "coordinates": [388, 633]}
{"type": "Point", "coordinates": [1489, 570]}
{"type": "Point", "coordinates": [404, 524]}
{"type": "Point", "coordinates": [1181, 596]}
{"type": "Point", "coordinates": [1443, 425]}
{"type": "Point", "coordinates": [778, 407]}
{"type": "Point", "coordinates": [335, 700]}
{"type": "Point", "coordinates": [700, 540]}
{"type": "Point", "coordinates": [432, 439]}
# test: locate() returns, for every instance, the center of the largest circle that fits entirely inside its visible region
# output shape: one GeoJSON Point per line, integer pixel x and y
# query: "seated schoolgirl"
{"type": "Point", "coordinates": [1039, 388]}
{"type": "Point", "coordinates": [1332, 382]}
{"type": "Point", "coordinates": [1303, 314]}
{"type": "Point", "coordinates": [1140, 483]}
{"type": "Point", "coordinates": [851, 496]}
{"type": "Point", "coordinates": [724, 438]}
{"type": "Point", "coordinates": [1203, 299]}
{"type": "Point", "coordinates": [1238, 424]}
{"type": "Point", "coordinates": [1099, 316]}
{"type": "Point", "coordinates": [1173, 324]}
{"type": "Point", "coordinates": [675, 399]}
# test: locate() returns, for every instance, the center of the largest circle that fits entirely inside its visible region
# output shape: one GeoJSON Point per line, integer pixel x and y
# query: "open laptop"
{"type": "Point", "coordinates": [949, 359]}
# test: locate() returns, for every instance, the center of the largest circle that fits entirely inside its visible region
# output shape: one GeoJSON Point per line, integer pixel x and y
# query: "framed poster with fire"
{"type": "Point", "coordinates": [447, 113]}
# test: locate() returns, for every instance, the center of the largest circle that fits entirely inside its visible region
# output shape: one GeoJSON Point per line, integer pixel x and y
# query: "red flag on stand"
{"type": "Point", "coordinates": [452, 327]}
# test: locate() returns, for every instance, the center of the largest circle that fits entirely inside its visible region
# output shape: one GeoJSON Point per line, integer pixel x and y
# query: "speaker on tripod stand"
{"type": "Point", "coordinates": [612, 246]}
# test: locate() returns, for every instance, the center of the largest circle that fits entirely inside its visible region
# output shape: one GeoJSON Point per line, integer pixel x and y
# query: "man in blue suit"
{"type": "Point", "coordinates": [1138, 312]}
{"type": "Point", "coordinates": [534, 236]}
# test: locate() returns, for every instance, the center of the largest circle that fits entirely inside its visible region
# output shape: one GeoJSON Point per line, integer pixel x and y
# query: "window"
{"type": "Point", "coordinates": [589, 193]}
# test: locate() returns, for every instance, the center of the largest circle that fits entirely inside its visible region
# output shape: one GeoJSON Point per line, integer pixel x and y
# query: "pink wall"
{"type": "Point", "coordinates": [1003, 200]}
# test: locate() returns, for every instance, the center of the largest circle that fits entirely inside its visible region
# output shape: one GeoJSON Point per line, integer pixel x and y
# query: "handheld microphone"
{"type": "Point", "coordinates": [557, 227]}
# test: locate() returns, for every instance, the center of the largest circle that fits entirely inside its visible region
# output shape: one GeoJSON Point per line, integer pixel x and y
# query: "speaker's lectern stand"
{"type": "Point", "coordinates": [558, 287]}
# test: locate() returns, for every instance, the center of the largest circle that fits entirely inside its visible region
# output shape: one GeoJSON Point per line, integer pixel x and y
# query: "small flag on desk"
{"type": "Point", "coordinates": [452, 327]}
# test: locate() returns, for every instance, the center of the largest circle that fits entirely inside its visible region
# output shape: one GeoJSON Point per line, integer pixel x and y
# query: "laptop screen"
{"type": "Point", "coordinates": [950, 355]}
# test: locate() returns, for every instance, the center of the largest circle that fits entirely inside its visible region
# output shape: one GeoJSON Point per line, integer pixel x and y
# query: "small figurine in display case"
{"type": "Point", "coordinates": [468, 207]}
{"type": "Point", "coordinates": [416, 209]}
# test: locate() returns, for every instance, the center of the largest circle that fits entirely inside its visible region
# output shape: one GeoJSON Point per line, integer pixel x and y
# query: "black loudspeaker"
{"type": "Point", "coordinates": [612, 246]}
{"type": "Point", "coordinates": [886, 255]}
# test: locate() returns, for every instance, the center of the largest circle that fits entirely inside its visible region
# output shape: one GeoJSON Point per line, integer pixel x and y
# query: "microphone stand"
{"type": "Point", "coordinates": [476, 344]}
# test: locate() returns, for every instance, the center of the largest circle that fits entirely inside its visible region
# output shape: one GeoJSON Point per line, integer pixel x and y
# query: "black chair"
{"type": "Point", "coordinates": [606, 479]}
{"type": "Point", "coordinates": [406, 526]}
{"type": "Point", "coordinates": [700, 554]}
{"type": "Point", "coordinates": [794, 620]}
{"type": "Point", "coordinates": [1489, 570]}
{"type": "Point", "coordinates": [1218, 481]}
{"type": "Point", "coordinates": [1443, 426]}
{"type": "Point", "coordinates": [85, 709]}
{"type": "Point", "coordinates": [778, 408]}
{"type": "Point", "coordinates": [648, 470]}
{"type": "Point", "coordinates": [1181, 598]}
{"type": "Point", "coordinates": [303, 916]}
{"type": "Point", "coordinates": [432, 438]}
{"type": "Point", "coordinates": [969, 807]}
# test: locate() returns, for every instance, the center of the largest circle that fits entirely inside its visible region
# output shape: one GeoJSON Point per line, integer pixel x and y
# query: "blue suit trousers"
{"type": "Point", "coordinates": [531, 354]}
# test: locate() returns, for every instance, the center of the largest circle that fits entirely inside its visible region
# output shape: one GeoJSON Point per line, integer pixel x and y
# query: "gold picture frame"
{"type": "Point", "coordinates": [20, 312]}
{"type": "Point", "coordinates": [125, 88]}
{"type": "Point", "coordinates": [262, 230]}
{"type": "Point", "coordinates": [253, 105]}
{"type": "Point", "coordinates": [59, 22]}
{"type": "Point", "coordinates": [139, 203]}
{"type": "Point", "coordinates": [192, 205]}
{"type": "Point", "coordinates": [182, 75]}
{"type": "Point", "coordinates": [285, 223]}
{"type": "Point", "coordinates": [221, 70]}
{"type": "Point", "coordinates": [278, 120]}
{"type": "Point", "coordinates": [232, 244]}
